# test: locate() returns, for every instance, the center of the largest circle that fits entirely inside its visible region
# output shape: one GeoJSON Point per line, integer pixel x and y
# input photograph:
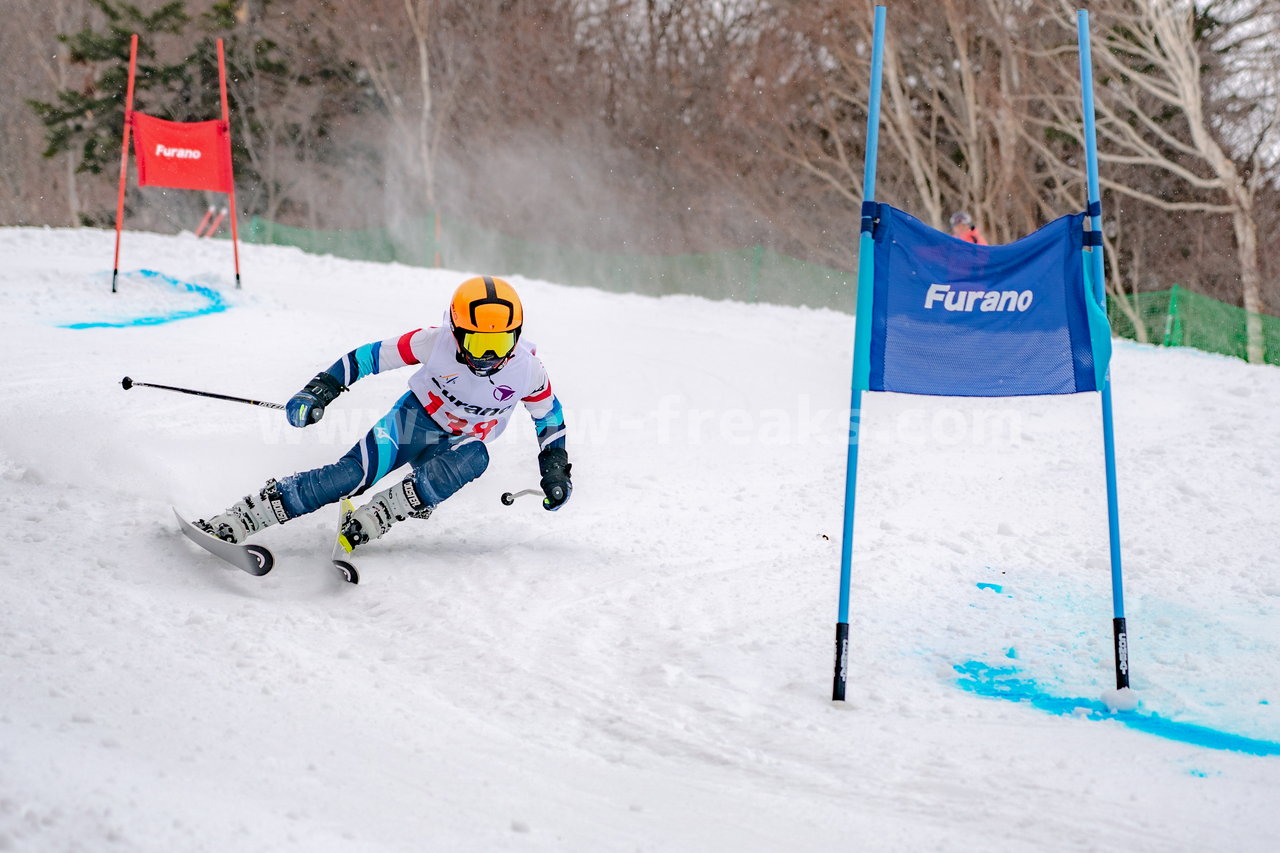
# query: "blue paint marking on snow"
{"type": "Point", "coordinates": [994, 587]}
{"type": "Point", "coordinates": [215, 304]}
{"type": "Point", "coordinates": [1012, 653]}
{"type": "Point", "coordinates": [1006, 683]}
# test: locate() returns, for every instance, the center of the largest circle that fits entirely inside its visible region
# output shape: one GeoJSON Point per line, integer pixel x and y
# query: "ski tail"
{"type": "Point", "coordinates": [342, 547]}
{"type": "Point", "coordinates": [345, 508]}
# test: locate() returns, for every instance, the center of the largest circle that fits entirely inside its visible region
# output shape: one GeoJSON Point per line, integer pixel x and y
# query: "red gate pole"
{"type": "Point", "coordinates": [217, 223]}
{"type": "Point", "coordinates": [204, 220]}
{"type": "Point", "coordinates": [226, 121]}
{"type": "Point", "coordinates": [124, 156]}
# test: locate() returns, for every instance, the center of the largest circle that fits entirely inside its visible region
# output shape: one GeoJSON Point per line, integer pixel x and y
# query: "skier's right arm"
{"type": "Point", "coordinates": [308, 405]}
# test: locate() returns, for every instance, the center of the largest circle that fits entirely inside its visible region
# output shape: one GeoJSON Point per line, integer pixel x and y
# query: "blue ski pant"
{"type": "Point", "coordinates": [441, 462]}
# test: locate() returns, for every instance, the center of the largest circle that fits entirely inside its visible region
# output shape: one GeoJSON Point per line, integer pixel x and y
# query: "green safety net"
{"type": "Point", "coordinates": [1173, 317]}
{"type": "Point", "coordinates": [754, 274]}
{"type": "Point", "coordinates": [1182, 318]}
{"type": "Point", "coordinates": [365, 244]}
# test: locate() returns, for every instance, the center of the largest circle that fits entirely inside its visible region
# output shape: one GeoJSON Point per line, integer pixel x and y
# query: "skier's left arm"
{"type": "Point", "coordinates": [553, 459]}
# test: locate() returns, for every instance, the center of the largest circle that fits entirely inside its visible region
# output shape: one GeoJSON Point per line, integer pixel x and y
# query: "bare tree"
{"type": "Point", "coordinates": [38, 190]}
{"type": "Point", "coordinates": [677, 126]}
{"type": "Point", "coordinates": [955, 90]}
{"type": "Point", "coordinates": [1158, 64]}
{"type": "Point", "coordinates": [391, 42]}
{"type": "Point", "coordinates": [61, 15]}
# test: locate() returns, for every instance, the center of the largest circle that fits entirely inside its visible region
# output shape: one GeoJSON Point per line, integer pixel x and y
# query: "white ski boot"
{"type": "Point", "coordinates": [375, 518]}
{"type": "Point", "coordinates": [247, 515]}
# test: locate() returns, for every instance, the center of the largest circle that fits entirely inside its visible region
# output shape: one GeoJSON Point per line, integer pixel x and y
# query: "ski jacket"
{"type": "Point", "coordinates": [969, 235]}
{"type": "Point", "coordinates": [460, 402]}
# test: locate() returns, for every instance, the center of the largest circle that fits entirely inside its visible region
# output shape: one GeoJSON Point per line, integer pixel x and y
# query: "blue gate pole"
{"type": "Point", "coordinates": [861, 355]}
{"type": "Point", "coordinates": [1121, 637]}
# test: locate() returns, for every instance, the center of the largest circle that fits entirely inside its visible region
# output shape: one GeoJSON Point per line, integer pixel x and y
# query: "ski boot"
{"type": "Point", "coordinates": [375, 518]}
{"type": "Point", "coordinates": [247, 515]}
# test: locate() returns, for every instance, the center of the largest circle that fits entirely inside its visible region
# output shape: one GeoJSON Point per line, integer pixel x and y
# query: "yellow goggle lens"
{"type": "Point", "coordinates": [480, 344]}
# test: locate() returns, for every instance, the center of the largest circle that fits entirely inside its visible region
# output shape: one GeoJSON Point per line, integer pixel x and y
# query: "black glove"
{"type": "Point", "coordinates": [307, 406]}
{"type": "Point", "coordinates": [553, 462]}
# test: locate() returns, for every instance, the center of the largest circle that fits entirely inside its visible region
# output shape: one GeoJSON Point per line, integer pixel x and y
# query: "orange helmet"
{"type": "Point", "coordinates": [486, 317]}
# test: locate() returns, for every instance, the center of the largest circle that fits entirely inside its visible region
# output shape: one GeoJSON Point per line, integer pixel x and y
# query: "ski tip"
{"type": "Point", "coordinates": [254, 559]}
{"type": "Point", "coordinates": [265, 560]}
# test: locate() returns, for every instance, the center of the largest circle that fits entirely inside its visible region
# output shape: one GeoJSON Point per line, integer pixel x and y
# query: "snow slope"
{"type": "Point", "coordinates": [648, 669]}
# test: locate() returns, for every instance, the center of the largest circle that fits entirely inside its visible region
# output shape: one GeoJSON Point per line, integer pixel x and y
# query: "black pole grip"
{"type": "Point", "coordinates": [842, 662]}
{"type": "Point", "coordinates": [1122, 653]}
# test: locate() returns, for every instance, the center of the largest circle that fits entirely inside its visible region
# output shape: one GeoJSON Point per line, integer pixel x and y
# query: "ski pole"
{"type": "Point", "coordinates": [129, 383]}
{"type": "Point", "coordinates": [508, 498]}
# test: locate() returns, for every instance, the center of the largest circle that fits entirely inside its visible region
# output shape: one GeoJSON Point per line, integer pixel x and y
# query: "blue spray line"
{"type": "Point", "coordinates": [214, 298]}
{"type": "Point", "coordinates": [861, 355]}
{"type": "Point", "coordinates": [1007, 682]}
{"type": "Point", "coordinates": [1121, 637]}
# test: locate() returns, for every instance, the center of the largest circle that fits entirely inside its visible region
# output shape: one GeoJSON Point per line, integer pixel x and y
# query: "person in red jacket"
{"type": "Point", "coordinates": [962, 228]}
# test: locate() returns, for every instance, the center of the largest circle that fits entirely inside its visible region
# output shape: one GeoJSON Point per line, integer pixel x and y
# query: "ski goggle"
{"type": "Point", "coordinates": [481, 345]}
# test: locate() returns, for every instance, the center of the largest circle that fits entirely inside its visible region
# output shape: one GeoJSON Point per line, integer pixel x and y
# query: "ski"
{"type": "Point", "coordinates": [254, 559]}
{"type": "Point", "coordinates": [341, 548]}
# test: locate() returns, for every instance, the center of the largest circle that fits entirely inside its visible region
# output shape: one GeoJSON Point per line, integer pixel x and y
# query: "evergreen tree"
{"type": "Point", "coordinates": [93, 117]}
{"type": "Point", "coordinates": [286, 88]}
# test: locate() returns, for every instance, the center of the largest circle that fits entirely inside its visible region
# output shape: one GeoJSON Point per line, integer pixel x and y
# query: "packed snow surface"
{"type": "Point", "coordinates": [649, 668]}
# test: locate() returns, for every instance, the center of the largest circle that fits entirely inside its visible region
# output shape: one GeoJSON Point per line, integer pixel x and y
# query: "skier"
{"type": "Point", "coordinates": [962, 227]}
{"type": "Point", "coordinates": [474, 370]}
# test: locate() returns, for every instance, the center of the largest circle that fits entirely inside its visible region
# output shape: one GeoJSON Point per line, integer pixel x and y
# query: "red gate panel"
{"type": "Point", "coordinates": [182, 155]}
